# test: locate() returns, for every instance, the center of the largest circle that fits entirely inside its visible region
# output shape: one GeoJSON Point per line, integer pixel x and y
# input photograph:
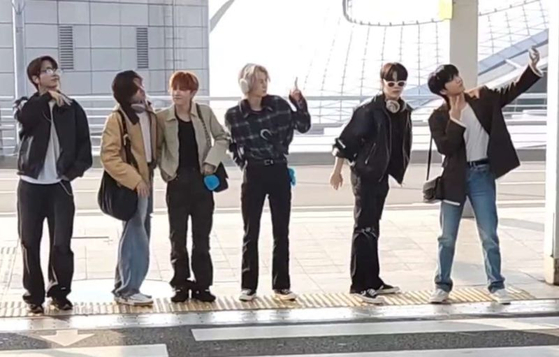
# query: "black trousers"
{"type": "Point", "coordinates": [55, 203]}
{"type": "Point", "coordinates": [187, 196]}
{"type": "Point", "coordinates": [369, 204]}
{"type": "Point", "coordinates": [260, 181]}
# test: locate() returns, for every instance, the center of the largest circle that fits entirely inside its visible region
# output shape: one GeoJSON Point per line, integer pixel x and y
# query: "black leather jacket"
{"type": "Point", "coordinates": [72, 130]}
{"type": "Point", "coordinates": [366, 141]}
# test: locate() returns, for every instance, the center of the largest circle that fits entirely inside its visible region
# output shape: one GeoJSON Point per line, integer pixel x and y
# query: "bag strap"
{"type": "Point", "coordinates": [429, 157]}
{"type": "Point", "coordinates": [125, 142]}
{"type": "Point", "coordinates": [206, 132]}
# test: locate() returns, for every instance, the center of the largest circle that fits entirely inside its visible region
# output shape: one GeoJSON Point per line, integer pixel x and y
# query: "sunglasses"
{"type": "Point", "coordinates": [391, 84]}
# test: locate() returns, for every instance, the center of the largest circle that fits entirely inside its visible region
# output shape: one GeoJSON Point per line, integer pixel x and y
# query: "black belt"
{"type": "Point", "coordinates": [266, 162]}
{"type": "Point", "coordinates": [478, 163]}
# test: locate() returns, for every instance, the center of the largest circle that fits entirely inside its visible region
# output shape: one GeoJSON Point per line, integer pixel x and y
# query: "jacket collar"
{"type": "Point", "coordinates": [171, 112]}
{"type": "Point", "coordinates": [472, 102]}
{"type": "Point", "coordinates": [477, 106]}
{"type": "Point", "coordinates": [118, 108]}
{"type": "Point", "coordinates": [246, 110]}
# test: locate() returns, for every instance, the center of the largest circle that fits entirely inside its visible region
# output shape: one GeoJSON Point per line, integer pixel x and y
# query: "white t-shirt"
{"type": "Point", "coordinates": [146, 133]}
{"type": "Point", "coordinates": [49, 173]}
{"type": "Point", "coordinates": [475, 136]}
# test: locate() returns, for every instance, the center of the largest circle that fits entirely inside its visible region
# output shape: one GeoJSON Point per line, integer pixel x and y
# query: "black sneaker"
{"type": "Point", "coordinates": [370, 296]}
{"type": "Point", "coordinates": [203, 295]}
{"type": "Point", "coordinates": [388, 290]}
{"type": "Point", "coordinates": [247, 295]}
{"type": "Point", "coordinates": [181, 295]}
{"type": "Point", "coordinates": [285, 295]}
{"type": "Point", "coordinates": [62, 304]}
{"type": "Point", "coordinates": [35, 309]}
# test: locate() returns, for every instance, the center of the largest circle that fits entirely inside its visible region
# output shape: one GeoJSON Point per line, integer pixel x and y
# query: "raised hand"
{"type": "Point", "coordinates": [457, 104]}
{"type": "Point", "coordinates": [59, 98]}
{"type": "Point", "coordinates": [295, 93]}
{"type": "Point", "coordinates": [534, 57]}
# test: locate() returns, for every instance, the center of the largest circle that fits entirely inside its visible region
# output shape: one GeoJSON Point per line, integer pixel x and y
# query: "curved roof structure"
{"type": "Point", "coordinates": [337, 53]}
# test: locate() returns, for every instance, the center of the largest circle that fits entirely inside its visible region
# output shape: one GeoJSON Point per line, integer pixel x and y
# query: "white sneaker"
{"type": "Point", "coordinates": [501, 297]}
{"type": "Point", "coordinates": [285, 295]}
{"type": "Point", "coordinates": [134, 300]}
{"type": "Point", "coordinates": [146, 295]}
{"type": "Point", "coordinates": [439, 296]}
{"type": "Point", "coordinates": [247, 295]}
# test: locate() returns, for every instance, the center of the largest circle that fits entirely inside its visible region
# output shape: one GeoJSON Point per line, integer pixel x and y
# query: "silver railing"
{"type": "Point", "coordinates": [326, 111]}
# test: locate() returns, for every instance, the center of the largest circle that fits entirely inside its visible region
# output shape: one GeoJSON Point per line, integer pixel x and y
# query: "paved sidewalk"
{"type": "Point", "coordinates": [320, 253]}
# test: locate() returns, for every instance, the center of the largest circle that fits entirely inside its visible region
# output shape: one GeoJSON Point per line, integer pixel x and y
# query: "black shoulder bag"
{"type": "Point", "coordinates": [220, 170]}
{"type": "Point", "coordinates": [433, 189]}
{"type": "Point", "coordinates": [114, 199]}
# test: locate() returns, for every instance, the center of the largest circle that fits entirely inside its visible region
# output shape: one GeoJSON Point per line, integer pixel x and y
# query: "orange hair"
{"type": "Point", "coordinates": [184, 80]}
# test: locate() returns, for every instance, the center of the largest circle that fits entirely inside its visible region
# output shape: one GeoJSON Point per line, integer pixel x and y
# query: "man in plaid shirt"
{"type": "Point", "coordinates": [262, 127]}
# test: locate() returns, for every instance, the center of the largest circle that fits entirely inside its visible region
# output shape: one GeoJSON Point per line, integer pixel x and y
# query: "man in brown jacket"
{"type": "Point", "coordinates": [472, 135]}
{"type": "Point", "coordinates": [135, 115]}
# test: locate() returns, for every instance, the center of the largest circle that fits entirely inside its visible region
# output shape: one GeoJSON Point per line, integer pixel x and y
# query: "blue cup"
{"type": "Point", "coordinates": [211, 182]}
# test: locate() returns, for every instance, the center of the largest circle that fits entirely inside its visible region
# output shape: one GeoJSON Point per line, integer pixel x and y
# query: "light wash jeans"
{"type": "Point", "coordinates": [133, 251]}
{"type": "Point", "coordinates": [480, 189]}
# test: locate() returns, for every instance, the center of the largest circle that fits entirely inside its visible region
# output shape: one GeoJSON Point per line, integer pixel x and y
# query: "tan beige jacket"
{"type": "Point", "coordinates": [112, 151]}
{"type": "Point", "coordinates": [168, 139]}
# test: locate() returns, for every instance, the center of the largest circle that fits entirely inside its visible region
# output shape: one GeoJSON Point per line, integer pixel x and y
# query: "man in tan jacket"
{"type": "Point", "coordinates": [186, 155]}
{"type": "Point", "coordinates": [135, 115]}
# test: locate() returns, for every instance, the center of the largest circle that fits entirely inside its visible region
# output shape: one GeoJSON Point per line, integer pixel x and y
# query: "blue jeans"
{"type": "Point", "coordinates": [480, 189]}
{"type": "Point", "coordinates": [133, 251]}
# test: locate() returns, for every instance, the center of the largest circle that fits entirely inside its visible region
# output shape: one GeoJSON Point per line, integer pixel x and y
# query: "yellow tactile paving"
{"type": "Point", "coordinates": [229, 303]}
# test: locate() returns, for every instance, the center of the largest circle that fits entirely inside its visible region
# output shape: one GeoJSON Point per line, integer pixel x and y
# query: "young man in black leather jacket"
{"type": "Point", "coordinates": [55, 149]}
{"type": "Point", "coordinates": [377, 144]}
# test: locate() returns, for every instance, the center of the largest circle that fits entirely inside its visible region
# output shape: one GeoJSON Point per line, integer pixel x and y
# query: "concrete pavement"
{"type": "Point", "coordinates": [320, 253]}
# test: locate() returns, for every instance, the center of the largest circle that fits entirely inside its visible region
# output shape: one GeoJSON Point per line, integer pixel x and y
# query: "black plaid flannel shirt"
{"type": "Point", "coordinates": [277, 116]}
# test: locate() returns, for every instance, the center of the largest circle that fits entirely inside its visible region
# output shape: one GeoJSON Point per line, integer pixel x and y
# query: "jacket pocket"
{"type": "Point", "coordinates": [371, 162]}
{"type": "Point", "coordinates": [371, 153]}
{"type": "Point", "coordinates": [23, 163]}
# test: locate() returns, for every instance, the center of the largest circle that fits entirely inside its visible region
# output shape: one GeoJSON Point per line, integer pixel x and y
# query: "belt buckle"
{"type": "Point", "coordinates": [268, 162]}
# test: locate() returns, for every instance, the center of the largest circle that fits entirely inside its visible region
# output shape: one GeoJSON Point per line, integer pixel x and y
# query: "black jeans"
{"type": "Point", "coordinates": [260, 181]}
{"type": "Point", "coordinates": [369, 204]}
{"type": "Point", "coordinates": [187, 196]}
{"type": "Point", "coordinates": [55, 203]}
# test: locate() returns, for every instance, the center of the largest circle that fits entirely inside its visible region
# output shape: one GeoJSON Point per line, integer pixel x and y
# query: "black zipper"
{"type": "Point", "coordinates": [370, 153]}
{"type": "Point", "coordinates": [389, 144]}
{"type": "Point", "coordinates": [408, 124]}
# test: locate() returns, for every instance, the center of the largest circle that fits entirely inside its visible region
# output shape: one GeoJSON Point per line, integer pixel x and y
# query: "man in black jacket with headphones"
{"type": "Point", "coordinates": [55, 149]}
{"type": "Point", "coordinates": [377, 143]}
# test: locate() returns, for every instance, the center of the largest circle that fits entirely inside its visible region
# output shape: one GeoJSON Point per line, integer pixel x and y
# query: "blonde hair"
{"type": "Point", "coordinates": [247, 76]}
